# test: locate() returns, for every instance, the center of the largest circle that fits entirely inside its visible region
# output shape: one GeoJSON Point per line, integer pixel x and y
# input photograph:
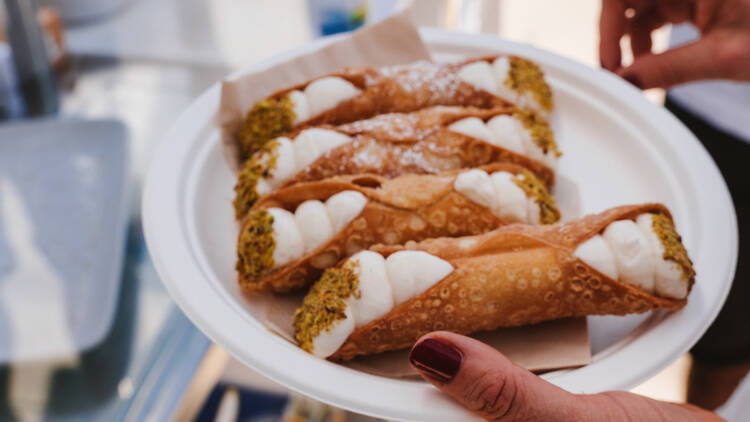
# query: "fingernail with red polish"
{"type": "Point", "coordinates": [437, 359]}
{"type": "Point", "coordinates": [634, 80]}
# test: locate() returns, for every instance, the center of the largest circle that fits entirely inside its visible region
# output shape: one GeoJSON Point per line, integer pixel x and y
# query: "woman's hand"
{"type": "Point", "coordinates": [488, 384]}
{"type": "Point", "coordinates": [722, 52]}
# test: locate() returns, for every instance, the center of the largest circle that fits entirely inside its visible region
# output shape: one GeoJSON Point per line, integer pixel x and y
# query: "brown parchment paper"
{"type": "Point", "coordinates": [550, 345]}
{"type": "Point", "coordinates": [390, 42]}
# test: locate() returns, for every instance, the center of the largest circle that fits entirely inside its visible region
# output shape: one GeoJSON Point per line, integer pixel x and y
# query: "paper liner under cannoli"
{"type": "Point", "coordinates": [512, 276]}
{"type": "Point", "coordinates": [292, 235]}
{"type": "Point", "coordinates": [360, 93]}
{"type": "Point", "coordinates": [432, 140]}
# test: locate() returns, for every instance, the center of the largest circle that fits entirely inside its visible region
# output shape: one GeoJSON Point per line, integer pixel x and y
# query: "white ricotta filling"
{"type": "Point", "coordinates": [327, 92]}
{"type": "Point", "coordinates": [413, 272]}
{"type": "Point", "coordinates": [286, 163]}
{"type": "Point", "coordinates": [669, 281]}
{"type": "Point", "coordinates": [343, 207]}
{"type": "Point", "coordinates": [506, 132]}
{"type": "Point", "coordinates": [513, 203]}
{"type": "Point", "coordinates": [479, 74]}
{"type": "Point", "coordinates": [314, 224]}
{"type": "Point", "coordinates": [473, 127]}
{"type": "Point", "coordinates": [287, 238]}
{"type": "Point", "coordinates": [331, 338]}
{"type": "Point", "coordinates": [376, 296]}
{"type": "Point", "coordinates": [477, 186]}
{"type": "Point", "coordinates": [300, 106]}
{"type": "Point", "coordinates": [310, 144]}
{"type": "Point", "coordinates": [509, 133]}
{"type": "Point", "coordinates": [383, 284]}
{"type": "Point", "coordinates": [500, 193]}
{"type": "Point", "coordinates": [634, 256]}
{"type": "Point", "coordinates": [632, 253]}
{"type": "Point", "coordinates": [596, 253]}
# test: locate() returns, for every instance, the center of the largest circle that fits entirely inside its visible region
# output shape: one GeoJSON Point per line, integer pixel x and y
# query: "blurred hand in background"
{"type": "Point", "coordinates": [722, 52]}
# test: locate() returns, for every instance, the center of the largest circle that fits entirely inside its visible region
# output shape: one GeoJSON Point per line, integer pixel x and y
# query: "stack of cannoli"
{"type": "Point", "coordinates": [415, 198]}
{"type": "Point", "coordinates": [360, 93]}
{"type": "Point", "coordinates": [428, 141]}
{"type": "Point", "coordinates": [626, 260]}
{"type": "Point", "coordinates": [290, 236]}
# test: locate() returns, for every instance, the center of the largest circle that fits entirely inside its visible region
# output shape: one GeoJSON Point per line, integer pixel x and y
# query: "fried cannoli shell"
{"type": "Point", "coordinates": [410, 207]}
{"type": "Point", "coordinates": [513, 276]}
{"type": "Point", "coordinates": [402, 88]}
{"type": "Point", "coordinates": [421, 142]}
{"type": "Point", "coordinates": [394, 144]}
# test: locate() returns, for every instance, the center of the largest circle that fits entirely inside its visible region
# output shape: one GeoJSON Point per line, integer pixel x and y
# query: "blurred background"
{"type": "Point", "coordinates": [87, 87]}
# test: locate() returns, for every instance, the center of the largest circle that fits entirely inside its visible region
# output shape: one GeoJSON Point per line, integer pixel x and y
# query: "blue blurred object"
{"type": "Point", "coordinates": [329, 17]}
{"type": "Point", "coordinates": [63, 217]}
{"type": "Point", "coordinates": [11, 103]}
{"type": "Point", "coordinates": [253, 406]}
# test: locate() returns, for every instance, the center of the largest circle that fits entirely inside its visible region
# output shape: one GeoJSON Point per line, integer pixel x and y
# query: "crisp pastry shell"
{"type": "Point", "coordinates": [515, 275]}
{"type": "Point", "coordinates": [420, 142]}
{"type": "Point", "coordinates": [403, 88]}
{"type": "Point", "coordinates": [410, 207]}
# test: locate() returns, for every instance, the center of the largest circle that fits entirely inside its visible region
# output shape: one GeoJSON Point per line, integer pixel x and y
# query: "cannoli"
{"type": "Point", "coordinates": [626, 260]}
{"type": "Point", "coordinates": [432, 140]}
{"type": "Point", "coordinates": [291, 236]}
{"type": "Point", "coordinates": [360, 93]}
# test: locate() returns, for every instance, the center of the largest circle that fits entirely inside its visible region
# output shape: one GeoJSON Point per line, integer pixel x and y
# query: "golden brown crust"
{"type": "Point", "coordinates": [512, 276]}
{"type": "Point", "coordinates": [421, 143]}
{"type": "Point", "coordinates": [403, 89]}
{"type": "Point", "coordinates": [395, 144]}
{"type": "Point", "coordinates": [410, 207]}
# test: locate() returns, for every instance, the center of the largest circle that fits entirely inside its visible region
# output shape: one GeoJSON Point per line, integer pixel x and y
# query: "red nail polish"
{"type": "Point", "coordinates": [437, 359]}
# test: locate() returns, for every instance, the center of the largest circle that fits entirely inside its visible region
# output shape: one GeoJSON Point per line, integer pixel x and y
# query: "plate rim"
{"type": "Point", "coordinates": [166, 167]}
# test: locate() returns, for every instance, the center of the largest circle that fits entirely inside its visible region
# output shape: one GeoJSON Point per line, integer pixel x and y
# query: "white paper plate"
{"type": "Point", "coordinates": [620, 148]}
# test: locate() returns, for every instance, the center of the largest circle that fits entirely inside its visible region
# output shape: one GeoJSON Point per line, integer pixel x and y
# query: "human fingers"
{"type": "Point", "coordinates": [488, 384]}
{"type": "Point", "coordinates": [612, 25]}
{"type": "Point", "coordinates": [686, 63]}
{"type": "Point", "coordinates": [640, 28]}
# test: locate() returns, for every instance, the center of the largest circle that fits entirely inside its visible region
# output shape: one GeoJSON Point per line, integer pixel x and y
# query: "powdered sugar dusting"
{"type": "Point", "coordinates": [436, 80]}
{"type": "Point", "coordinates": [414, 157]}
{"type": "Point", "coordinates": [369, 155]}
{"type": "Point", "coordinates": [391, 126]}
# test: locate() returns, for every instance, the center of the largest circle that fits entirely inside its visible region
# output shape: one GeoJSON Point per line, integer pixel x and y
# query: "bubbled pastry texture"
{"type": "Point", "coordinates": [388, 145]}
{"type": "Point", "coordinates": [362, 92]}
{"type": "Point", "coordinates": [359, 93]}
{"type": "Point", "coordinates": [420, 142]}
{"type": "Point", "coordinates": [410, 207]}
{"type": "Point", "coordinates": [512, 276]}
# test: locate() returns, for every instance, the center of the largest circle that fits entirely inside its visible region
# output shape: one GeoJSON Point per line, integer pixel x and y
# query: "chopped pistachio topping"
{"type": "Point", "coordinates": [261, 164]}
{"type": "Point", "coordinates": [256, 245]}
{"type": "Point", "coordinates": [525, 75]}
{"type": "Point", "coordinates": [541, 133]}
{"type": "Point", "coordinates": [267, 120]}
{"type": "Point", "coordinates": [325, 303]}
{"type": "Point", "coordinates": [674, 250]}
{"type": "Point", "coordinates": [548, 212]}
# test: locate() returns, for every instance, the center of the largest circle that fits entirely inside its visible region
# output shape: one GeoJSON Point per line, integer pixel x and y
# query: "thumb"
{"type": "Point", "coordinates": [686, 63]}
{"type": "Point", "coordinates": [487, 383]}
